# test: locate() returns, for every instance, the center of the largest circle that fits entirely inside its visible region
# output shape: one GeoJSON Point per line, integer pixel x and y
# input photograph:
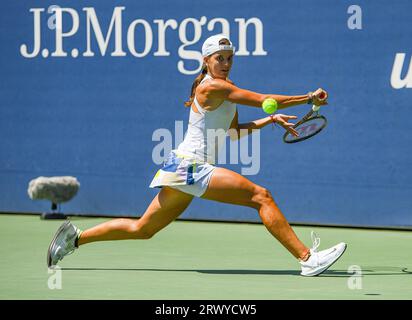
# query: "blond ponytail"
{"type": "Point", "coordinates": [197, 81]}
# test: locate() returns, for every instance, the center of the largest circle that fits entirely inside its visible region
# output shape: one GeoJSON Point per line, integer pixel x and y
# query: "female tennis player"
{"type": "Point", "coordinates": [190, 170]}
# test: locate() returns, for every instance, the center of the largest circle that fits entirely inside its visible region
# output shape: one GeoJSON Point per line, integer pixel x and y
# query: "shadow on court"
{"type": "Point", "coordinates": [370, 271]}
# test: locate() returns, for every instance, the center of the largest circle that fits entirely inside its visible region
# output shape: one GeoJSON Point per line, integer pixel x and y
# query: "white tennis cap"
{"type": "Point", "coordinates": [211, 45]}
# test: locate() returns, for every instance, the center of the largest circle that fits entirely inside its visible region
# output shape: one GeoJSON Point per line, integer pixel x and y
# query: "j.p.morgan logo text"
{"type": "Point", "coordinates": [138, 38]}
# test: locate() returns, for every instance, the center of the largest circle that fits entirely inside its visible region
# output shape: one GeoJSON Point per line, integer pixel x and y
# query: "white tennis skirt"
{"type": "Point", "coordinates": [183, 173]}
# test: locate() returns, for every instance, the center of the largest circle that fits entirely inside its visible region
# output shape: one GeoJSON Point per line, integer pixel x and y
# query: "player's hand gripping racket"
{"type": "Point", "coordinates": [311, 124]}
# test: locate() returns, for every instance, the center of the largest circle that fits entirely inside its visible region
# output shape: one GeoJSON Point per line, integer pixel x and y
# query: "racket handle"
{"type": "Point", "coordinates": [321, 96]}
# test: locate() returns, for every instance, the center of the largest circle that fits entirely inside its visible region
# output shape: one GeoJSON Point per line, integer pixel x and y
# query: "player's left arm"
{"type": "Point", "coordinates": [238, 130]}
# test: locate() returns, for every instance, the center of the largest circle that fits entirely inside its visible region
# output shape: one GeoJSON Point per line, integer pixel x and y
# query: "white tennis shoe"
{"type": "Point", "coordinates": [319, 262]}
{"type": "Point", "coordinates": [63, 243]}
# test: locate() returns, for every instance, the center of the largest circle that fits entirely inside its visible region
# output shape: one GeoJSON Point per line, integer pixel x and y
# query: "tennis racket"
{"type": "Point", "coordinates": [307, 127]}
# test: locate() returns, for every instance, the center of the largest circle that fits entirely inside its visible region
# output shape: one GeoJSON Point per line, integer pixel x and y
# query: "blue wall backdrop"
{"type": "Point", "coordinates": [93, 117]}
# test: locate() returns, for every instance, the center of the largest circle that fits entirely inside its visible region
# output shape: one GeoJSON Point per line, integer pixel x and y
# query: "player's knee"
{"type": "Point", "coordinates": [262, 196]}
{"type": "Point", "coordinates": [141, 232]}
{"type": "Point", "coordinates": [146, 234]}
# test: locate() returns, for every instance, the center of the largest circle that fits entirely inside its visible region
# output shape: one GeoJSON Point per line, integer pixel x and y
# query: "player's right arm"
{"type": "Point", "coordinates": [220, 89]}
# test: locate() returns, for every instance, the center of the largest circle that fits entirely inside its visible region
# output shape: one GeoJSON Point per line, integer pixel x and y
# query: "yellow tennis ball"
{"type": "Point", "coordinates": [269, 105]}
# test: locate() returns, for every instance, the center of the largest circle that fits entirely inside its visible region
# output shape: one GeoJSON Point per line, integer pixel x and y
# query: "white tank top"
{"type": "Point", "coordinates": [207, 130]}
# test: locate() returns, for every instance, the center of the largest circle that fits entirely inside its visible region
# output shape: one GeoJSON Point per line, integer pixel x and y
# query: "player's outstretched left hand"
{"type": "Point", "coordinates": [283, 120]}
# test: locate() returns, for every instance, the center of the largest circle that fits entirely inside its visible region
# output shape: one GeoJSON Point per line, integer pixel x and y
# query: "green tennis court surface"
{"type": "Point", "coordinates": [199, 260]}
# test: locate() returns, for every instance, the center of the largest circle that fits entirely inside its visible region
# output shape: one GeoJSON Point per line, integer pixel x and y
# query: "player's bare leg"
{"type": "Point", "coordinates": [231, 187]}
{"type": "Point", "coordinates": [166, 206]}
